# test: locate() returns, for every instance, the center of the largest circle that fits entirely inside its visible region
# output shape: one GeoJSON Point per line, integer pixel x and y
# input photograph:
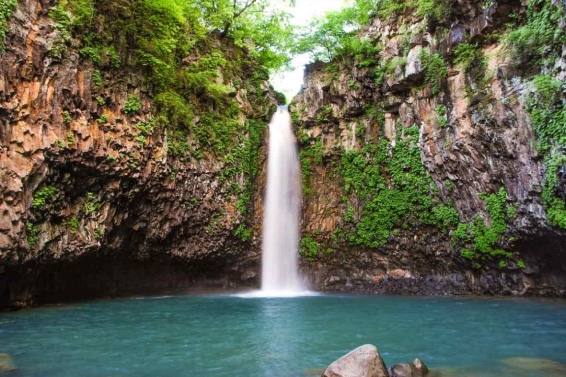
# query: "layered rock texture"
{"type": "Point", "coordinates": [422, 164]}
{"type": "Point", "coordinates": [427, 167]}
{"type": "Point", "coordinates": [96, 198]}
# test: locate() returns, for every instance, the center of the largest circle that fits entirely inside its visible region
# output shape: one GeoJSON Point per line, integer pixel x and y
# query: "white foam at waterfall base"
{"type": "Point", "coordinates": [280, 276]}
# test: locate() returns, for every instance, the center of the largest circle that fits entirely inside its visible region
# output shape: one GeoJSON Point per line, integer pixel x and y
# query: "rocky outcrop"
{"type": "Point", "coordinates": [363, 361]}
{"type": "Point", "coordinates": [475, 138]}
{"type": "Point", "coordinates": [93, 199]}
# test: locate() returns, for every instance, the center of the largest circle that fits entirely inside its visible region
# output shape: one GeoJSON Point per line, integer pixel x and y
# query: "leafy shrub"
{"type": "Point", "coordinates": [72, 224]}
{"type": "Point", "coordinates": [435, 70]}
{"type": "Point", "coordinates": [91, 204]}
{"type": "Point", "coordinates": [32, 232]}
{"type": "Point", "coordinates": [483, 236]}
{"type": "Point", "coordinates": [42, 196]}
{"type": "Point", "coordinates": [309, 247]}
{"type": "Point", "coordinates": [441, 116]}
{"type": "Point", "coordinates": [243, 232]}
{"type": "Point", "coordinates": [133, 104]}
{"type": "Point", "coordinates": [7, 8]}
{"type": "Point", "coordinates": [466, 54]}
{"type": "Point", "coordinates": [539, 41]}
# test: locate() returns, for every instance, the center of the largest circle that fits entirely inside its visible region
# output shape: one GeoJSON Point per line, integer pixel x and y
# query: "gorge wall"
{"type": "Point", "coordinates": [427, 163]}
{"type": "Point", "coordinates": [100, 192]}
{"type": "Point", "coordinates": [433, 163]}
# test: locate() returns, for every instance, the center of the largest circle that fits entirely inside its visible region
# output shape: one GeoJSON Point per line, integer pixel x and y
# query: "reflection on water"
{"type": "Point", "coordinates": [291, 337]}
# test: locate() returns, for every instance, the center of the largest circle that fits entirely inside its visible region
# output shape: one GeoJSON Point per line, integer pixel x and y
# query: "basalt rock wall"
{"type": "Point", "coordinates": [92, 203]}
{"type": "Point", "coordinates": [359, 121]}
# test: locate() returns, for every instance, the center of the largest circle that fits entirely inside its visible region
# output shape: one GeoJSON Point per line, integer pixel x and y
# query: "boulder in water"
{"type": "Point", "coordinates": [364, 361]}
{"type": "Point", "coordinates": [6, 363]}
{"type": "Point", "coordinates": [416, 369]}
{"type": "Point", "coordinates": [420, 366]}
{"type": "Point", "coordinates": [402, 370]}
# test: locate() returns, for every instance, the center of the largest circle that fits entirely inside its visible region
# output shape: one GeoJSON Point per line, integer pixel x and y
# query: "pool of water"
{"type": "Point", "coordinates": [284, 337]}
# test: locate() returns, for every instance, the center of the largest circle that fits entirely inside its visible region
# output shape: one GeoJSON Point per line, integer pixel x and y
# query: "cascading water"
{"type": "Point", "coordinates": [281, 213]}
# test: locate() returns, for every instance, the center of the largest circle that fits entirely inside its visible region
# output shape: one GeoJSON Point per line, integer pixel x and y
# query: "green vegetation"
{"type": "Point", "coordinates": [72, 224]}
{"type": "Point", "coordinates": [435, 70]}
{"type": "Point", "coordinates": [67, 117]}
{"type": "Point", "coordinates": [243, 232]}
{"type": "Point", "coordinates": [466, 54]}
{"type": "Point", "coordinates": [441, 116]}
{"type": "Point", "coordinates": [42, 196]}
{"type": "Point", "coordinates": [480, 238]}
{"type": "Point", "coordinates": [70, 138]}
{"type": "Point", "coordinates": [242, 165]}
{"type": "Point", "coordinates": [308, 156]}
{"type": "Point", "coordinates": [103, 119]}
{"type": "Point", "coordinates": [437, 11]}
{"type": "Point", "coordinates": [549, 119]}
{"type": "Point", "coordinates": [191, 54]}
{"type": "Point", "coordinates": [97, 78]}
{"type": "Point", "coordinates": [7, 8]}
{"type": "Point", "coordinates": [537, 43]}
{"type": "Point", "coordinates": [91, 204]}
{"type": "Point", "coordinates": [132, 105]}
{"type": "Point", "coordinates": [334, 35]}
{"type": "Point", "coordinates": [32, 234]}
{"type": "Point", "coordinates": [309, 247]}
{"type": "Point", "coordinates": [394, 188]}
{"type": "Point", "coordinates": [146, 128]}
{"type": "Point", "coordinates": [539, 39]}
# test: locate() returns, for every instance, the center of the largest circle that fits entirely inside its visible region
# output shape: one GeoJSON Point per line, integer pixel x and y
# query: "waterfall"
{"type": "Point", "coordinates": [281, 213]}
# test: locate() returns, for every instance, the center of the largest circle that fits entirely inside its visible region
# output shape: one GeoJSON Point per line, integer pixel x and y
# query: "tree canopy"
{"type": "Point", "coordinates": [334, 34]}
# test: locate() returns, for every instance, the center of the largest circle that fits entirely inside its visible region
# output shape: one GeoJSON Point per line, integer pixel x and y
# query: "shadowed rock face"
{"type": "Point", "coordinates": [484, 142]}
{"type": "Point", "coordinates": [116, 199]}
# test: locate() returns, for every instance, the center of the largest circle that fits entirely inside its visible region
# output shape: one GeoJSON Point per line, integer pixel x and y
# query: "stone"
{"type": "Point", "coordinates": [413, 68]}
{"type": "Point", "coordinates": [402, 370]}
{"type": "Point", "coordinates": [6, 363]}
{"type": "Point", "coordinates": [415, 369]}
{"type": "Point", "coordinates": [364, 361]}
{"type": "Point", "coordinates": [420, 366]}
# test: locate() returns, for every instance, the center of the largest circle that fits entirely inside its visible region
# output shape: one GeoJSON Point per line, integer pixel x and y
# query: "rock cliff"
{"type": "Point", "coordinates": [422, 159]}
{"type": "Point", "coordinates": [97, 197]}
{"type": "Point", "coordinates": [433, 158]}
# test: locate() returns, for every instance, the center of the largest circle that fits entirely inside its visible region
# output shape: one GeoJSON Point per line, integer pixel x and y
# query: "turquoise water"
{"type": "Point", "coordinates": [285, 337]}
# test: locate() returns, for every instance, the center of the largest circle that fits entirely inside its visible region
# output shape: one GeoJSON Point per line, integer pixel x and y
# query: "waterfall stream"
{"type": "Point", "coordinates": [281, 214]}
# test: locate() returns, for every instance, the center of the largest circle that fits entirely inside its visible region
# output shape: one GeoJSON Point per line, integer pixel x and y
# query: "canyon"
{"type": "Point", "coordinates": [404, 167]}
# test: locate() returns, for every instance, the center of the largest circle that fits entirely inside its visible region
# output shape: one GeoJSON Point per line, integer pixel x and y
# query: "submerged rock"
{"type": "Point", "coordinates": [364, 361]}
{"type": "Point", "coordinates": [6, 363]}
{"type": "Point", "coordinates": [543, 366]}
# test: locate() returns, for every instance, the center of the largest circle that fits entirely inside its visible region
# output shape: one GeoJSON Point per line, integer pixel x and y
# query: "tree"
{"type": "Point", "coordinates": [334, 34]}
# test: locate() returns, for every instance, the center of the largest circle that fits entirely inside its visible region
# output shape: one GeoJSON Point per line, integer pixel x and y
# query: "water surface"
{"type": "Point", "coordinates": [282, 337]}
